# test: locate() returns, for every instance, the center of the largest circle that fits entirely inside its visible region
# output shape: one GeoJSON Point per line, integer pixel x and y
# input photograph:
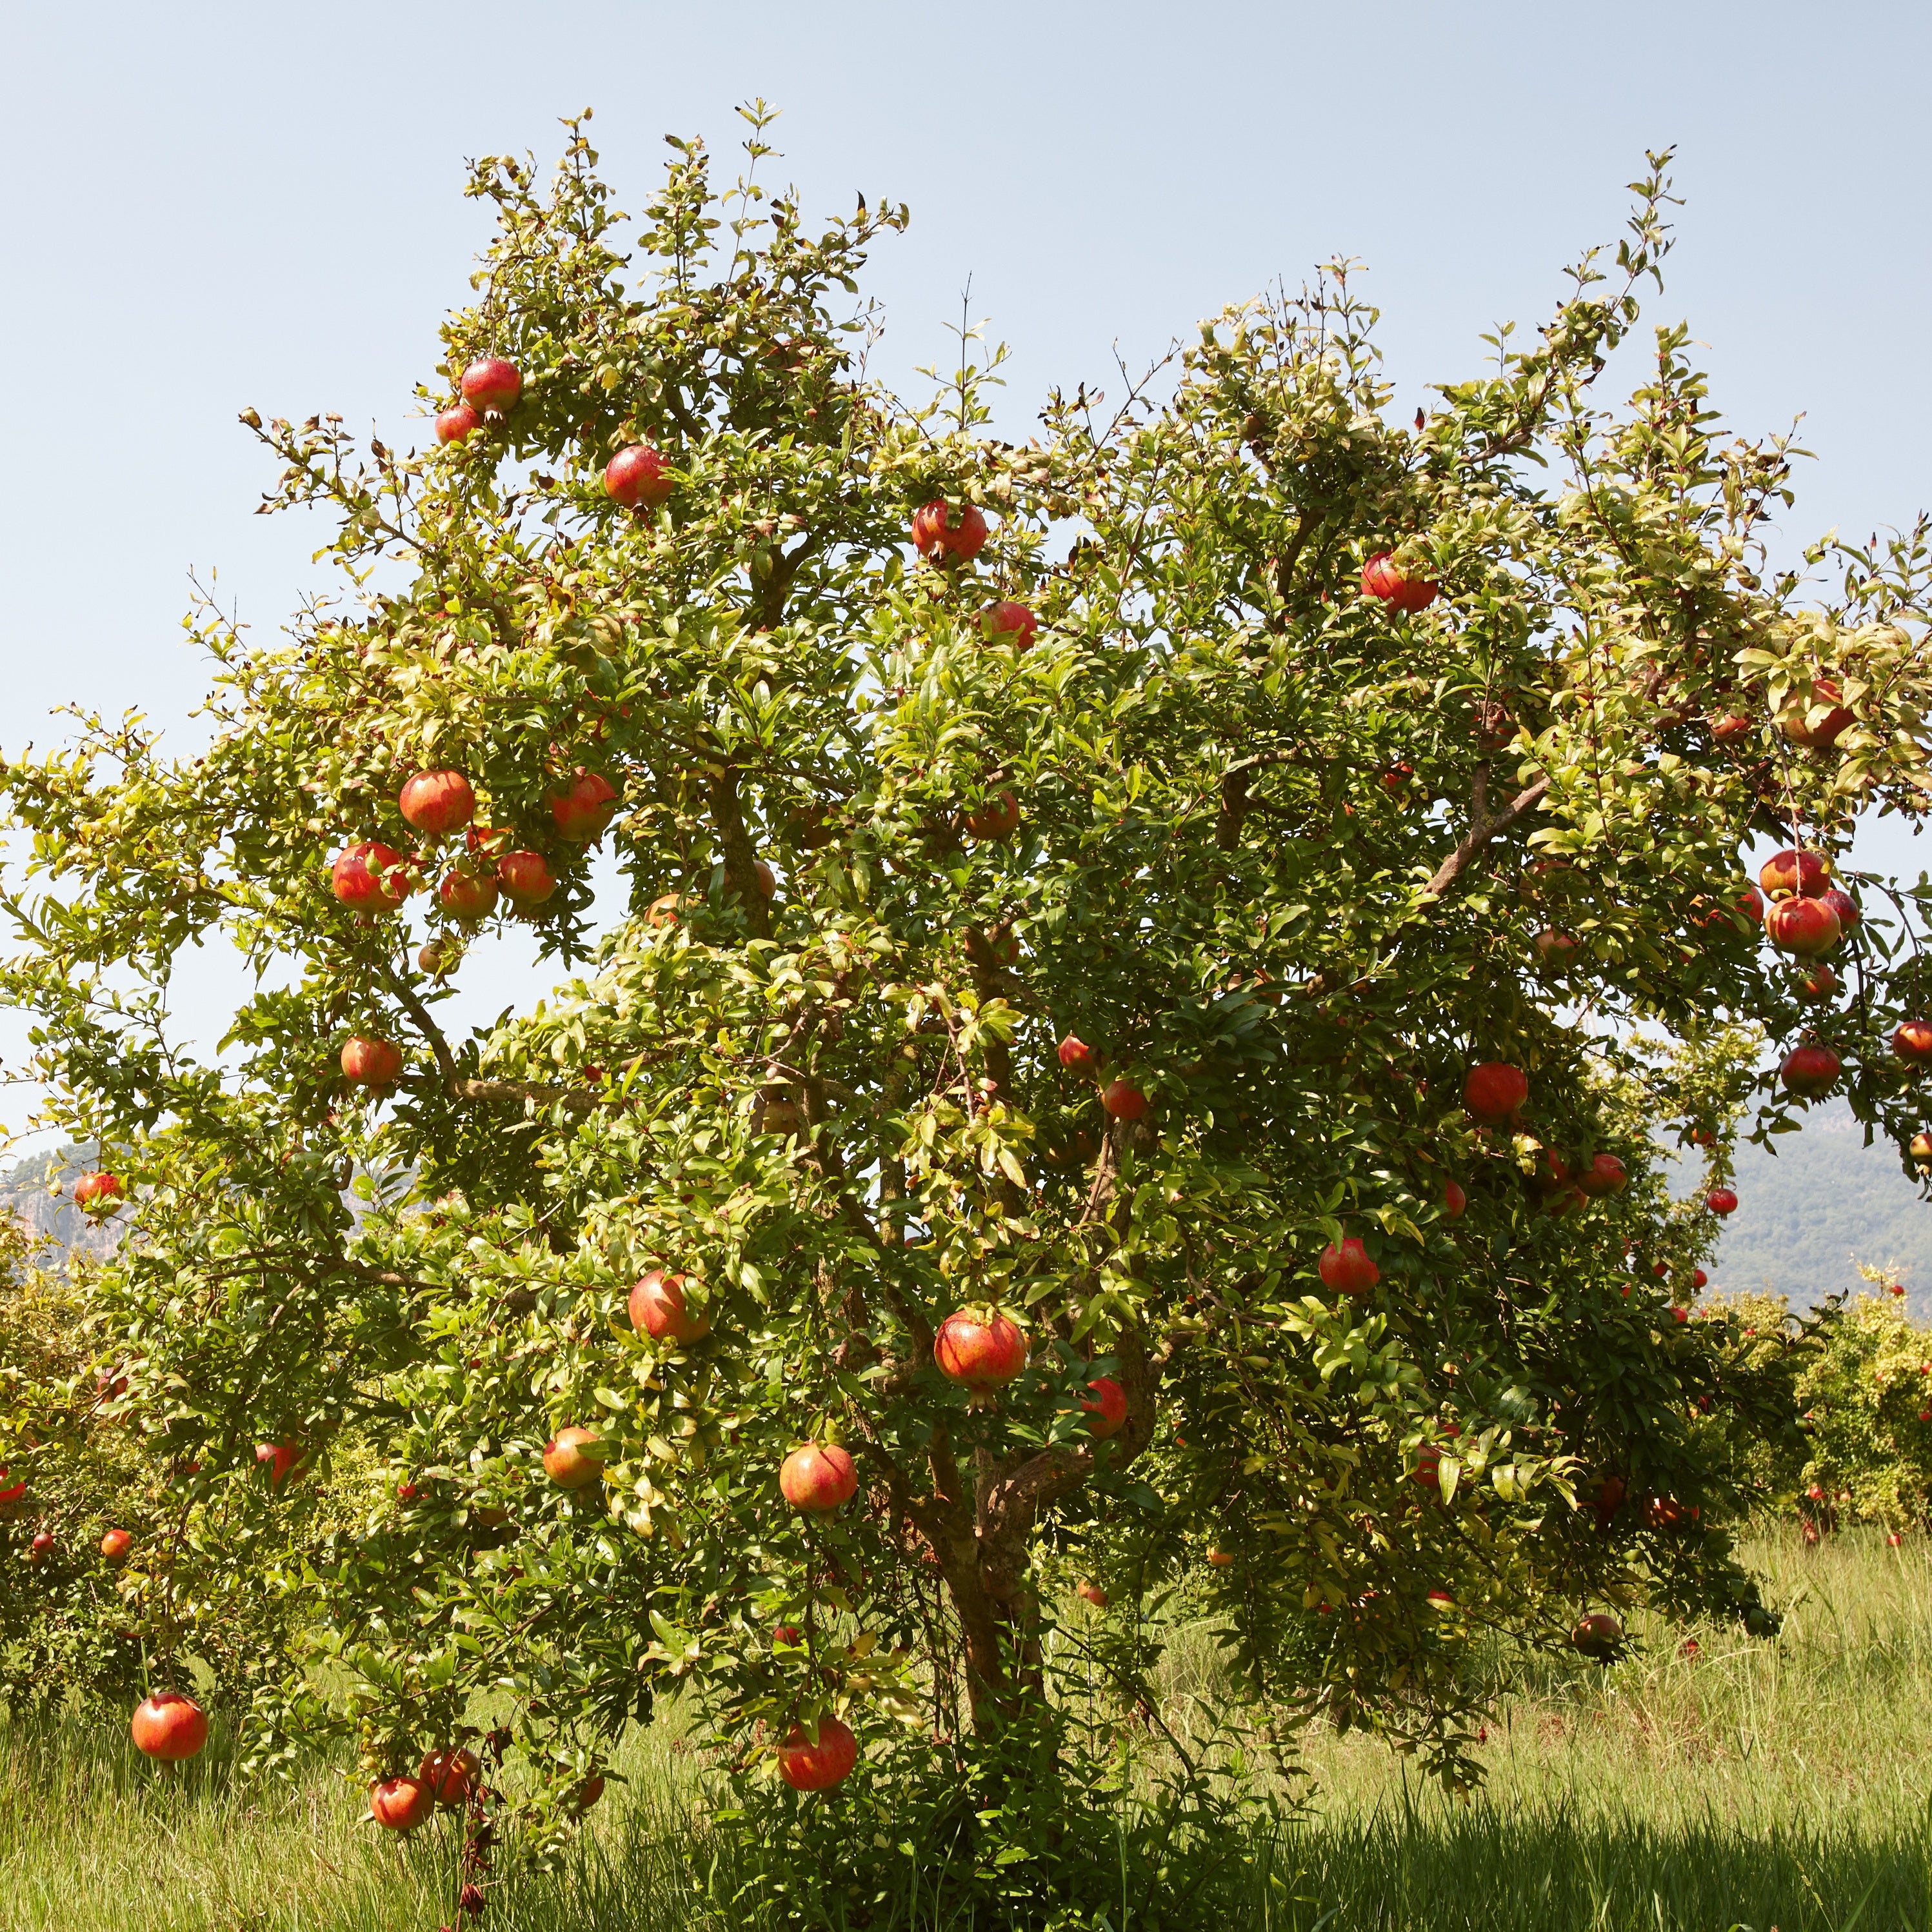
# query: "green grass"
{"type": "Point", "coordinates": [1752, 1785]}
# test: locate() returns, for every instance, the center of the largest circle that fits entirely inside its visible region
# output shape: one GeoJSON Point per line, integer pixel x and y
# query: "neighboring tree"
{"type": "Point", "coordinates": [1129, 888]}
{"type": "Point", "coordinates": [1866, 1398]}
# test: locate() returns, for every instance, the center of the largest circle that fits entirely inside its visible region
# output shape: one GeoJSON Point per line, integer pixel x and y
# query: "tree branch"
{"type": "Point", "coordinates": [1483, 828]}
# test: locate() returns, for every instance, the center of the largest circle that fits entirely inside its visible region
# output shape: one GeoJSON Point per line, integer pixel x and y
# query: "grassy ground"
{"type": "Point", "coordinates": [1750, 1785]}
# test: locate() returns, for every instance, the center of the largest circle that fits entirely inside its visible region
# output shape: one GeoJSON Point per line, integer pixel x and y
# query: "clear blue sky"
{"type": "Point", "coordinates": [218, 205]}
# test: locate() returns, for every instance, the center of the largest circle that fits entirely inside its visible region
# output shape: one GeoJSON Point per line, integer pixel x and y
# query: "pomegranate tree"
{"type": "Point", "coordinates": [982, 1118]}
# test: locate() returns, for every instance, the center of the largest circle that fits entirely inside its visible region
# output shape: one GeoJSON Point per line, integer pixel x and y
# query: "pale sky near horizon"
{"type": "Point", "coordinates": [219, 206]}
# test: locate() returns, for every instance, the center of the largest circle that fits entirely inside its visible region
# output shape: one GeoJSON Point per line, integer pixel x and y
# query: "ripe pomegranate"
{"type": "Point", "coordinates": [526, 877]}
{"type": "Point", "coordinates": [401, 1804]}
{"type": "Point", "coordinates": [1384, 578]}
{"type": "Point", "coordinates": [1397, 776]}
{"type": "Point", "coordinates": [1440, 1600]}
{"type": "Point", "coordinates": [1495, 1090]}
{"type": "Point", "coordinates": [981, 1355]}
{"type": "Point", "coordinates": [438, 801]}
{"type": "Point", "coordinates": [1107, 1409]}
{"type": "Point", "coordinates": [1221, 1559]}
{"type": "Point", "coordinates": [1598, 1636]}
{"type": "Point", "coordinates": [370, 1062]}
{"type": "Point", "coordinates": [1798, 724]}
{"type": "Point", "coordinates": [369, 876]}
{"type": "Point", "coordinates": [1348, 1269]}
{"type": "Point", "coordinates": [1921, 1151]}
{"type": "Point", "coordinates": [170, 1725]}
{"type": "Point", "coordinates": [1556, 950]}
{"type": "Point", "coordinates": [1845, 906]}
{"type": "Point", "coordinates": [1093, 1594]}
{"type": "Point", "coordinates": [97, 1193]}
{"type": "Point", "coordinates": [1009, 622]}
{"type": "Point", "coordinates": [807, 1765]}
{"type": "Point", "coordinates": [637, 475]}
{"type": "Point", "coordinates": [941, 540]}
{"type": "Point", "coordinates": [1721, 1201]}
{"type": "Point", "coordinates": [574, 1458]}
{"type": "Point", "coordinates": [998, 818]}
{"type": "Point", "coordinates": [1699, 1278]}
{"type": "Point", "coordinates": [1806, 927]}
{"type": "Point", "coordinates": [1454, 1201]}
{"type": "Point", "coordinates": [116, 1545]}
{"type": "Point", "coordinates": [1077, 1056]}
{"type": "Point", "coordinates": [818, 1477]}
{"type": "Point", "coordinates": [10, 1494]}
{"type": "Point", "coordinates": [492, 385]}
{"type": "Point", "coordinates": [1428, 1470]}
{"type": "Point", "coordinates": [466, 896]}
{"type": "Point", "coordinates": [457, 422]}
{"type": "Point", "coordinates": [279, 1459]}
{"type": "Point", "coordinates": [1911, 1041]}
{"type": "Point", "coordinates": [1795, 875]}
{"type": "Point", "coordinates": [583, 811]}
{"type": "Point", "coordinates": [1606, 1174]}
{"type": "Point", "coordinates": [1123, 1100]}
{"type": "Point", "coordinates": [1728, 729]}
{"type": "Point", "coordinates": [1609, 1496]}
{"type": "Point", "coordinates": [784, 1634]}
{"type": "Point", "coordinates": [589, 1792]}
{"type": "Point", "coordinates": [41, 1547]}
{"type": "Point", "coordinates": [1810, 1070]}
{"type": "Point", "coordinates": [451, 1776]}
{"type": "Point", "coordinates": [663, 911]}
{"type": "Point", "coordinates": [658, 1308]}
{"type": "Point", "coordinates": [1820, 983]}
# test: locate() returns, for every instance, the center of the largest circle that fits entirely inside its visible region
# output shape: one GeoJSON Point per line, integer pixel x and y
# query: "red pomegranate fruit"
{"type": "Point", "coordinates": [438, 801]}
{"type": "Point", "coordinates": [1811, 1070]}
{"type": "Point", "coordinates": [401, 1804]}
{"type": "Point", "coordinates": [1911, 1041]}
{"type": "Point", "coordinates": [1347, 1269]}
{"type": "Point", "coordinates": [807, 1764]}
{"type": "Point", "coordinates": [637, 475]}
{"type": "Point", "coordinates": [369, 876]}
{"type": "Point", "coordinates": [1105, 1403]}
{"type": "Point", "coordinates": [1795, 874]}
{"type": "Point", "coordinates": [1383, 578]}
{"type": "Point", "coordinates": [170, 1725]}
{"type": "Point", "coordinates": [658, 1309]}
{"type": "Point", "coordinates": [980, 1354]}
{"type": "Point", "coordinates": [818, 1477]}
{"type": "Point", "coordinates": [527, 877]}
{"type": "Point", "coordinates": [583, 810]}
{"type": "Point", "coordinates": [492, 385]}
{"type": "Point", "coordinates": [1077, 1056]}
{"type": "Point", "coordinates": [1805, 927]}
{"type": "Point", "coordinates": [457, 422]}
{"type": "Point", "coordinates": [98, 1193]}
{"type": "Point", "coordinates": [941, 538]}
{"type": "Point", "coordinates": [1496, 1090]}
{"type": "Point", "coordinates": [1818, 725]}
{"type": "Point", "coordinates": [1009, 622]}
{"type": "Point", "coordinates": [370, 1062]}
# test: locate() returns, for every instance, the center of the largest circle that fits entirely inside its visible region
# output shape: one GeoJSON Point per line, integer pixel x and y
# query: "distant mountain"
{"type": "Point", "coordinates": [1809, 1214]}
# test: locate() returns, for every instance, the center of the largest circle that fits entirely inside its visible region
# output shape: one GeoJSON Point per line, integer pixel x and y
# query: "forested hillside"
{"type": "Point", "coordinates": [1824, 1202]}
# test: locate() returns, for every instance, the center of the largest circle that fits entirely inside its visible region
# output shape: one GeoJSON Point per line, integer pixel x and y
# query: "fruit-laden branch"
{"type": "Point", "coordinates": [1483, 828]}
